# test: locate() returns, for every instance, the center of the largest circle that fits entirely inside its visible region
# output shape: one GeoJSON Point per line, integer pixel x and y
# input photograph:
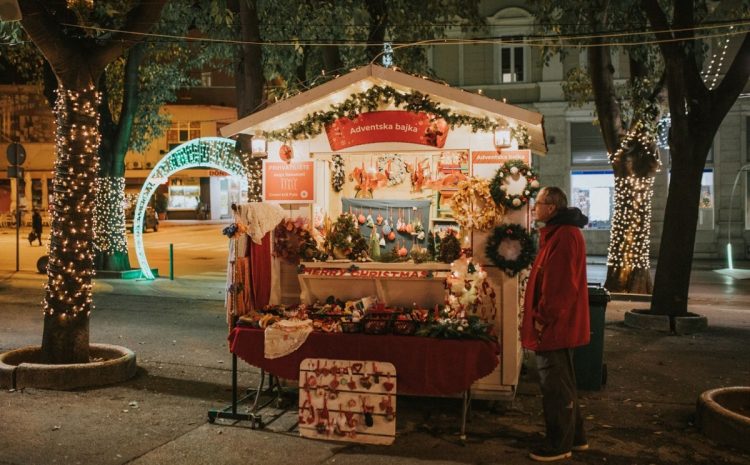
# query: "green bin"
{"type": "Point", "coordinates": [590, 369]}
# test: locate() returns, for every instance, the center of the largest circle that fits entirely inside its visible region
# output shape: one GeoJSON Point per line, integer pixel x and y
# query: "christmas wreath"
{"type": "Point", "coordinates": [337, 173]}
{"type": "Point", "coordinates": [473, 207]}
{"type": "Point", "coordinates": [394, 168]}
{"type": "Point", "coordinates": [293, 242]}
{"type": "Point", "coordinates": [510, 248]}
{"type": "Point", "coordinates": [499, 186]}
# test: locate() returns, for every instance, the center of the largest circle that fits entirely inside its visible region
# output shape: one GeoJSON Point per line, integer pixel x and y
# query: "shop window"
{"type": "Point", "coordinates": [706, 205]}
{"type": "Point", "coordinates": [587, 145]}
{"type": "Point", "coordinates": [594, 193]}
{"type": "Point", "coordinates": [181, 132]}
{"type": "Point", "coordinates": [184, 193]}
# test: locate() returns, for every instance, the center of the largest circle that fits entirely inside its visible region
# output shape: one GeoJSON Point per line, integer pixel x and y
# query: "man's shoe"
{"type": "Point", "coordinates": [547, 455]}
{"type": "Point", "coordinates": [580, 446]}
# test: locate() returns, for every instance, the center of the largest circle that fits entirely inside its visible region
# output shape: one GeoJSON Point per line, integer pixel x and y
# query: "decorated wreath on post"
{"type": "Point", "coordinates": [510, 248]}
{"type": "Point", "coordinates": [473, 206]}
{"type": "Point", "coordinates": [499, 187]}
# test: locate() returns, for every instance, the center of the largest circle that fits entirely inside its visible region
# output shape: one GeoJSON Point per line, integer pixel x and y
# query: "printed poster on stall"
{"type": "Point", "coordinates": [484, 163]}
{"type": "Point", "coordinates": [289, 182]}
{"type": "Point", "coordinates": [387, 126]}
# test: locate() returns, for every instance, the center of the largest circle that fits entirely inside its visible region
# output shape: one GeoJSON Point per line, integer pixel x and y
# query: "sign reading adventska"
{"type": "Point", "coordinates": [387, 126]}
{"type": "Point", "coordinates": [288, 182]}
{"type": "Point", "coordinates": [486, 162]}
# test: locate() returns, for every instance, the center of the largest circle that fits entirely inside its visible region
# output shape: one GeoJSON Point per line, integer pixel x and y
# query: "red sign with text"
{"type": "Point", "coordinates": [387, 126]}
{"type": "Point", "coordinates": [288, 182]}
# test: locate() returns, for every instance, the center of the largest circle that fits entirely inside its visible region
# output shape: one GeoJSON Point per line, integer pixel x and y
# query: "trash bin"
{"type": "Point", "coordinates": [590, 369]}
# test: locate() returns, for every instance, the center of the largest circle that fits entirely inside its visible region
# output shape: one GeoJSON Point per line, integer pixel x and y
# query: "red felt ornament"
{"type": "Point", "coordinates": [286, 153]}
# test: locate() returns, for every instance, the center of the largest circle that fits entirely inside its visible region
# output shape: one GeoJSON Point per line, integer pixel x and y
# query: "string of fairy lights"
{"type": "Point", "coordinates": [110, 216]}
{"type": "Point", "coordinates": [254, 168]}
{"type": "Point", "coordinates": [68, 292]}
{"type": "Point", "coordinates": [630, 233]}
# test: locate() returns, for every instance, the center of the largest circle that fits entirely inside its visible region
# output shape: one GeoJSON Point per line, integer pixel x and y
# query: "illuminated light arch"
{"type": "Point", "coordinates": [205, 152]}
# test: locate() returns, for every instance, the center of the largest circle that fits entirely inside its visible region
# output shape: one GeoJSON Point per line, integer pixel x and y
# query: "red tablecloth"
{"type": "Point", "coordinates": [425, 366]}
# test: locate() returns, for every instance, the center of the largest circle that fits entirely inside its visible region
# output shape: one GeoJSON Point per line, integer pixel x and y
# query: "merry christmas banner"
{"type": "Point", "coordinates": [387, 126]}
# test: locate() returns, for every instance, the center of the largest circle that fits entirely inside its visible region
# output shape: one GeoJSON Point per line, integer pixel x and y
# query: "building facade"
{"type": "Point", "coordinates": [577, 158]}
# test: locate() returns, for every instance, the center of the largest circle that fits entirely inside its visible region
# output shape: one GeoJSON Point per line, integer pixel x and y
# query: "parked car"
{"type": "Point", "coordinates": [151, 220]}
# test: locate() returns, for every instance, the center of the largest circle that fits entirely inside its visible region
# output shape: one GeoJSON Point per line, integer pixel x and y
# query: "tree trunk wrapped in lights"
{"type": "Point", "coordinates": [634, 165]}
{"type": "Point", "coordinates": [111, 244]}
{"type": "Point", "coordinates": [68, 296]}
{"type": "Point", "coordinates": [77, 62]}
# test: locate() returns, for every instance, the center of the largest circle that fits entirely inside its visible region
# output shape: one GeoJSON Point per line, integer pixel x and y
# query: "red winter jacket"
{"type": "Point", "coordinates": [557, 291]}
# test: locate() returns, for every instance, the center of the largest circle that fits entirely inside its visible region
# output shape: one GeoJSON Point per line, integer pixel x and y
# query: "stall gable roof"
{"type": "Point", "coordinates": [317, 99]}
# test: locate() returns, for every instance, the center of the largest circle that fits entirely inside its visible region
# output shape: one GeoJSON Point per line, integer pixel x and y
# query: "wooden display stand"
{"type": "Point", "coordinates": [361, 410]}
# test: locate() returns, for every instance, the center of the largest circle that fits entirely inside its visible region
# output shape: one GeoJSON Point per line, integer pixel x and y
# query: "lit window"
{"type": "Point", "coordinates": [706, 200]}
{"type": "Point", "coordinates": [706, 203]}
{"type": "Point", "coordinates": [181, 132]}
{"type": "Point", "coordinates": [206, 79]}
{"type": "Point", "coordinates": [512, 61]}
{"type": "Point", "coordinates": [594, 193]}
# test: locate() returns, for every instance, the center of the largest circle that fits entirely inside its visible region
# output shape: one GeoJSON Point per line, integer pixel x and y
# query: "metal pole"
{"type": "Point", "coordinates": [171, 262]}
{"type": "Point", "coordinates": [18, 219]}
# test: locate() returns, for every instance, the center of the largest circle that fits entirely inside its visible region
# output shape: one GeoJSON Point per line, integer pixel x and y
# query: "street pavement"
{"type": "Point", "coordinates": [644, 415]}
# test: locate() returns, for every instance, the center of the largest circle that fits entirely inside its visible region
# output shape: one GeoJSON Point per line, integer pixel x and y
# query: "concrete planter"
{"type": "Point", "coordinates": [19, 369]}
{"type": "Point", "coordinates": [723, 415]}
{"type": "Point", "coordinates": [688, 324]}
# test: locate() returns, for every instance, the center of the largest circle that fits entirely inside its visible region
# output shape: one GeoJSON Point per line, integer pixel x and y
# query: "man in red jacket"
{"type": "Point", "coordinates": [556, 319]}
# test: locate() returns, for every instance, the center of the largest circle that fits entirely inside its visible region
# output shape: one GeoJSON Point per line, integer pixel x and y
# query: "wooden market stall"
{"type": "Point", "coordinates": [401, 154]}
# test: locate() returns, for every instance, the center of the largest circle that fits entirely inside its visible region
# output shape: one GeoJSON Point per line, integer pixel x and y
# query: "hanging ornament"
{"type": "Point", "coordinates": [286, 153]}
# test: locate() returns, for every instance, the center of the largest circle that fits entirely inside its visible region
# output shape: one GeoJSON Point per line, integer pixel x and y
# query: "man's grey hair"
{"type": "Point", "coordinates": [556, 197]}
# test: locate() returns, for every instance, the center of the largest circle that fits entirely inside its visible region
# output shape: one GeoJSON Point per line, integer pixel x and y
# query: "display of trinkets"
{"type": "Point", "coordinates": [347, 400]}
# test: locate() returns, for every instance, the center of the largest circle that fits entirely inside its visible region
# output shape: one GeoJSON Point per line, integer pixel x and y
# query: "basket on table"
{"type": "Point", "coordinates": [378, 322]}
{"type": "Point", "coordinates": [405, 327]}
{"type": "Point", "coordinates": [348, 326]}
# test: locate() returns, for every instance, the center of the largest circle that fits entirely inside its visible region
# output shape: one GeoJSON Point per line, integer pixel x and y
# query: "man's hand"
{"type": "Point", "coordinates": [539, 327]}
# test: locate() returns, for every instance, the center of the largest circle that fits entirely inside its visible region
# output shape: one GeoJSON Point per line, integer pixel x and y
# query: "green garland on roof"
{"type": "Point", "coordinates": [370, 100]}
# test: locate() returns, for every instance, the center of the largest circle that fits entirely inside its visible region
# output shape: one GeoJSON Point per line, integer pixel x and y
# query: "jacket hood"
{"type": "Point", "coordinates": [570, 216]}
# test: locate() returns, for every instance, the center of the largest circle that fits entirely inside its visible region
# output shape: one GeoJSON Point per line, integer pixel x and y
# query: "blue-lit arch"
{"type": "Point", "coordinates": [205, 152]}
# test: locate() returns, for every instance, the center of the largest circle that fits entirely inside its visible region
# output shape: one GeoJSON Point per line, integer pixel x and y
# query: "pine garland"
{"type": "Point", "coordinates": [337, 173]}
{"type": "Point", "coordinates": [372, 99]}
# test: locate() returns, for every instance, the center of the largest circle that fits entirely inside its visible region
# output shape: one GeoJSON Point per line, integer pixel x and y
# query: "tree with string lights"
{"type": "Point", "coordinates": [77, 58]}
{"type": "Point", "coordinates": [697, 110]}
{"type": "Point", "coordinates": [627, 116]}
